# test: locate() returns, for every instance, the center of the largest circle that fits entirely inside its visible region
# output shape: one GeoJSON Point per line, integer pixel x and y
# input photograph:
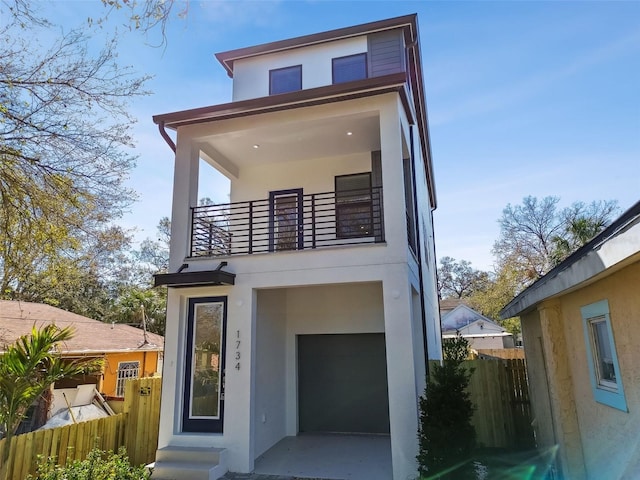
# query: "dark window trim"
{"type": "Point", "coordinates": [366, 66]}
{"type": "Point", "coordinates": [338, 206]}
{"type": "Point", "coordinates": [213, 425]}
{"type": "Point", "coordinates": [291, 67]}
{"type": "Point", "coordinates": [273, 195]}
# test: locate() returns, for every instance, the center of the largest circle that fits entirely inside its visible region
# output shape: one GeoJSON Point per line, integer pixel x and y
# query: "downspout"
{"type": "Point", "coordinates": [166, 136]}
{"type": "Point", "coordinates": [419, 253]}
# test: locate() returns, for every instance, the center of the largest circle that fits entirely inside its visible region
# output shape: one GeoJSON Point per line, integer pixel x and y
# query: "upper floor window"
{"type": "Point", "coordinates": [283, 80]}
{"type": "Point", "coordinates": [602, 358]}
{"type": "Point", "coordinates": [349, 68]}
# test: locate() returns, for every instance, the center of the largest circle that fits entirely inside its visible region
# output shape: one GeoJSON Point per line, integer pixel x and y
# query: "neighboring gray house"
{"type": "Point", "coordinates": [482, 332]}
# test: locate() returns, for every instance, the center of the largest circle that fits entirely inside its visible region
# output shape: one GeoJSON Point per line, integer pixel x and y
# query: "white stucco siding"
{"type": "Point", "coordinates": [277, 296]}
{"type": "Point", "coordinates": [270, 377]}
{"type": "Point", "coordinates": [391, 147]}
{"type": "Point", "coordinates": [282, 315]}
{"type": "Point", "coordinates": [336, 309]}
{"type": "Point", "coordinates": [185, 193]}
{"type": "Point", "coordinates": [172, 369]}
{"type": "Point", "coordinates": [251, 75]}
{"type": "Point", "coordinates": [401, 372]}
{"type": "Point", "coordinates": [427, 246]}
{"type": "Point", "coordinates": [418, 341]}
{"type": "Point", "coordinates": [313, 176]}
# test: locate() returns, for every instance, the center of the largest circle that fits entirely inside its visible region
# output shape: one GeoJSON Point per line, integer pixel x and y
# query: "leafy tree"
{"type": "Point", "coordinates": [63, 130]}
{"type": "Point", "coordinates": [136, 305]}
{"type": "Point", "coordinates": [526, 233]}
{"type": "Point", "coordinates": [28, 368]}
{"type": "Point", "coordinates": [499, 289]}
{"type": "Point", "coordinates": [137, 300]}
{"type": "Point", "coordinates": [155, 253]}
{"type": "Point", "coordinates": [446, 436]}
{"type": "Point", "coordinates": [148, 15]}
{"type": "Point", "coordinates": [536, 235]}
{"type": "Point", "coordinates": [581, 222]}
{"type": "Point", "coordinates": [82, 280]}
{"type": "Point", "coordinates": [458, 279]}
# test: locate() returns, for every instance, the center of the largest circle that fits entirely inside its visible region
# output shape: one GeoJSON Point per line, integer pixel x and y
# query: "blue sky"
{"type": "Point", "coordinates": [524, 98]}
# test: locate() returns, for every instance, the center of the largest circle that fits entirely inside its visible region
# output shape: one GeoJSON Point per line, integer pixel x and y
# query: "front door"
{"type": "Point", "coordinates": [203, 407]}
{"type": "Point", "coordinates": [285, 220]}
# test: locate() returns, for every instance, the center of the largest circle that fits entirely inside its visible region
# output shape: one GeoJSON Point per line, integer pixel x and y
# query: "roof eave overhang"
{"type": "Point", "coordinates": [98, 353]}
{"type": "Point", "coordinates": [407, 22]}
{"type": "Point", "coordinates": [299, 99]}
{"type": "Point", "coordinates": [194, 279]}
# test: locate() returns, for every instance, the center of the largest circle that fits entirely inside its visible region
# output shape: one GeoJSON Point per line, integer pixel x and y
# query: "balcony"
{"type": "Point", "coordinates": [288, 220]}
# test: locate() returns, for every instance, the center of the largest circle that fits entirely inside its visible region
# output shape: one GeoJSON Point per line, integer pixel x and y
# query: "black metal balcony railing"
{"type": "Point", "coordinates": [288, 220]}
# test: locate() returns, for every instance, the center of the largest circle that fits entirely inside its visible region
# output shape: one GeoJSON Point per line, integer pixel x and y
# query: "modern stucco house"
{"type": "Point", "coordinates": [581, 332]}
{"type": "Point", "coordinates": [308, 303]}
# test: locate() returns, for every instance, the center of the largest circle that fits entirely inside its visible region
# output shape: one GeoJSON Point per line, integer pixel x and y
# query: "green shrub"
{"type": "Point", "coordinates": [446, 435]}
{"type": "Point", "coordinates": [98, 465]}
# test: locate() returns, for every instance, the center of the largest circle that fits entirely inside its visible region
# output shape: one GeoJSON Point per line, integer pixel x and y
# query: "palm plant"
{"type": "Point", "coordinates": [28, 368]}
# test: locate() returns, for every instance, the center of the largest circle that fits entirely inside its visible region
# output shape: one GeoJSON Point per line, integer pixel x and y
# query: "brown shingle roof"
{"type": "Point", "coordinates": [448, 304]}
{"type": "Point", "coordinates": [91, 336]}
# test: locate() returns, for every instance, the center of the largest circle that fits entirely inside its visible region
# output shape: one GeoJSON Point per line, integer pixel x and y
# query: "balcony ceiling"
{"type": "Point", "coordinates": [326, 137]}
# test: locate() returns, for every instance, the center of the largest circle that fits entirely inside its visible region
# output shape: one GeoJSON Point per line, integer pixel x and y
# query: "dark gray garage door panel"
{"type": "Point", "coordinates": [342, 383]}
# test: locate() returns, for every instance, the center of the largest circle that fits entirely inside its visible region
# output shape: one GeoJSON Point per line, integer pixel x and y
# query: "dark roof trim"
{"type": "Point", "coordinates": [417, 82]}
{"type": "Point", "coordinates": [407, 22]}
{"type": "Point", "coordinates": [286, 101]}
{"type": "Point", "coordinates": [194, 279]}
{"type": "Point", "coordinates": [618, 226]}
{"type": "Point", "coordinates": [409, 25]}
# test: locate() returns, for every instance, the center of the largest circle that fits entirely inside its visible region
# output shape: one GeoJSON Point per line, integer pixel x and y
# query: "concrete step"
{"type": "Point", "coordinates": [189, 463]}
{"type": "Point", "coordinates": [186, 471]}
{"type": "Point", "coordinates": [189, 454]}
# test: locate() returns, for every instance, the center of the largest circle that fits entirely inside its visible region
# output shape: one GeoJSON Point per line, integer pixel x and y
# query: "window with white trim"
{"type": "Point", "coordinates": [602, 358]}
{"type": "Point", "coordinates": [126, 370]}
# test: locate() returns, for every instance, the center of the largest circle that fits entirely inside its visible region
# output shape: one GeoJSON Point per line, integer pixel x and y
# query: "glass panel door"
{"type": "Point", "coordinates": [285, 220]}
{"type": "Point", "coordinates": [204, 365]}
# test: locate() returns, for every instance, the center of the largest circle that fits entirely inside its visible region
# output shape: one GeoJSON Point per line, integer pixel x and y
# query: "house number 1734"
{"type": "Point", "coordinates": [237, 354]}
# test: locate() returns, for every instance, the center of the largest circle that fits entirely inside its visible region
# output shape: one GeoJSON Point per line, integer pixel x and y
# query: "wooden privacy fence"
{"type": "Point", "coordinates": [500, 393]}
{"type": "Point", "coordinates": [142, 407]}
{"type": "Point", "coordinates": [500, 353]}
{"type": "Point", "coordinates": [136, 429]}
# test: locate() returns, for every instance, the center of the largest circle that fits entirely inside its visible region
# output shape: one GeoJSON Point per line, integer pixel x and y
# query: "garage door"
{"type": "Point", "coordinates": [342, 383]}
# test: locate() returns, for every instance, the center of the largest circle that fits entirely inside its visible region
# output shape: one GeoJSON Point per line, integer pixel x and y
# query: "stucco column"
{"type": "Point", "coordinates": [239, 378]}
{"type": "Point", "coordinates": [171, 369]}
{"type": "Point", "coordinates": [395, 223]}
{"type": "Point", "coordinates": [185, 195]}
{"type": "Point", "coordinates": [401, 374]}
{"type": "Point", "coordinates": [560, 383]}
